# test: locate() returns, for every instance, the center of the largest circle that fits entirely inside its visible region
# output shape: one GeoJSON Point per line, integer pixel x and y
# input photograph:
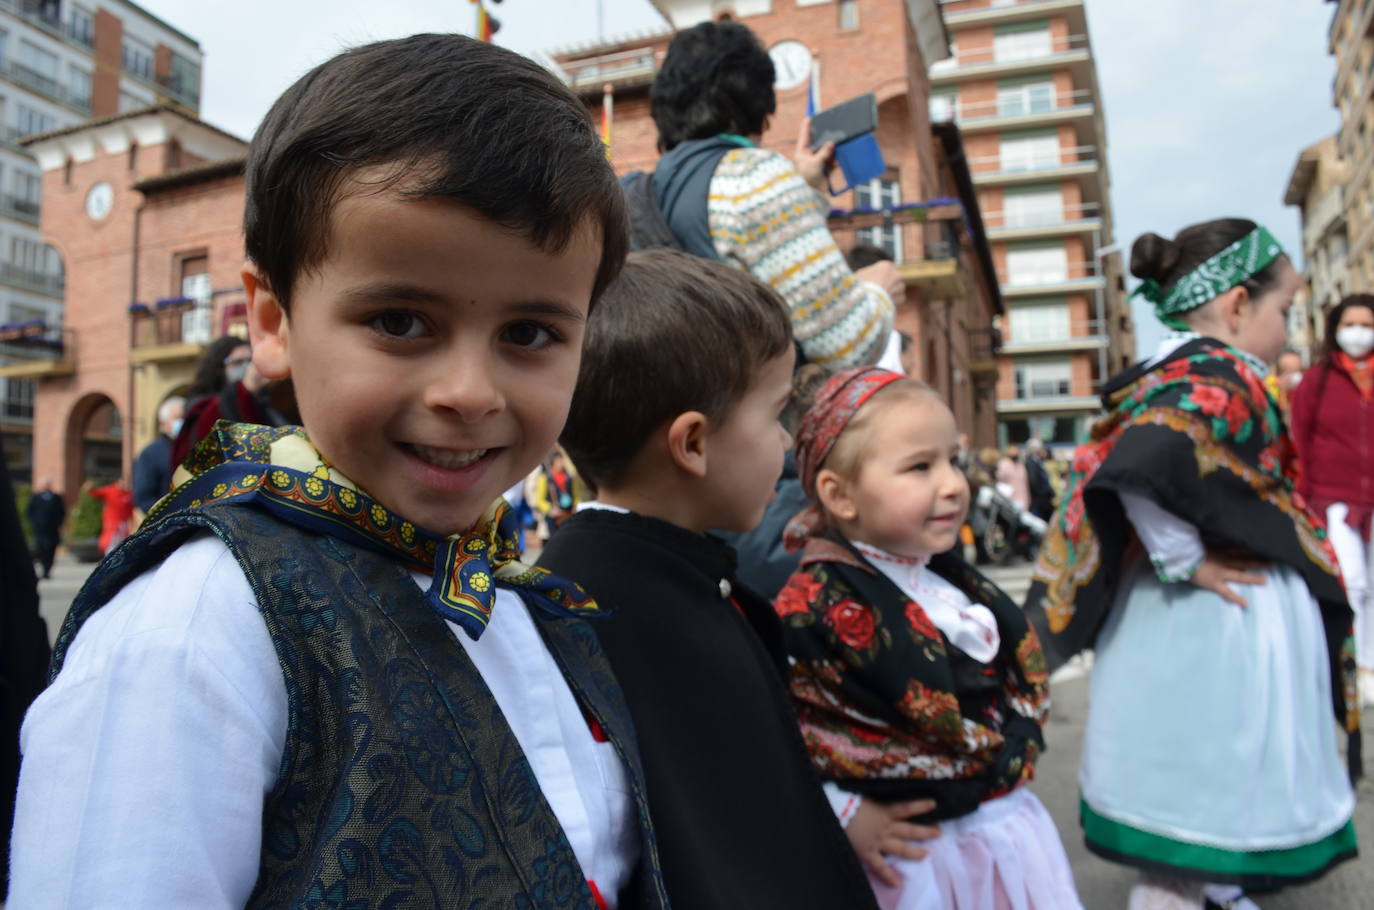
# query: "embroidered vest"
{"type": "Point", "coordinates": [401, 782]}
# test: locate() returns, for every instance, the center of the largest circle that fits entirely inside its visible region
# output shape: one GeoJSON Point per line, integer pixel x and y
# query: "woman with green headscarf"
{"type": "Point", "coordinates": [1184, 556]}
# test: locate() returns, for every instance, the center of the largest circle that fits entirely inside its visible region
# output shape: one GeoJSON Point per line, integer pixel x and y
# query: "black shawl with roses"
{"type": "Point", "coordinates": [1198, 434]}
{"type": "Point", "coordinates": [887, 706]}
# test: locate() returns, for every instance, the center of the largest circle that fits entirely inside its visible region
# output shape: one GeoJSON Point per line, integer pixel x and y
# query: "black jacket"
{"type": "Point", "coordinates": [740, 816]}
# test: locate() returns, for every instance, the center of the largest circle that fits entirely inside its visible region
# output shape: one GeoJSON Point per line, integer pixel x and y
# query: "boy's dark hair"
{"type": "Point", "coordinates": [716, 78]}
{"type": "Point", "coordinates": [456, 118]}
{"type": "Point", "coordinates": [674, 333]}
{"type": "Point", "coordinates": [1166, 261]}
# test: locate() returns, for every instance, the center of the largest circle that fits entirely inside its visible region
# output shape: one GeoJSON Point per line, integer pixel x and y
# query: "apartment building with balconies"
{"type": "Point", "coordinates": [1351, 43]}
{"type": "Point", "coordinates": [1317, 187]}
{"type": "Point", "coordinates": [63, 63]}
{"type": "Point", "coordinates": [1022, 85]}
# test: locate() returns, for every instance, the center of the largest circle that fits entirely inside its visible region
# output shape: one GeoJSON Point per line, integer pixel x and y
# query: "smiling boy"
{"type": "Point", "coordinates": [319, 675]}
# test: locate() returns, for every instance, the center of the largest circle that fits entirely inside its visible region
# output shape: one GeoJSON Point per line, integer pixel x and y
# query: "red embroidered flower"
{"type": "Point", "coordinates": [797, 596]}
{"type": "Point", "coordinates": [920, 621]}
{"type": "Point", "coordinates": [853, 624]}
{"type": "Point", "coordinates": [1073, 516]}
{"type": "Point", "coordinates": [1237, 413]}
{"type": "Point", "coordinates": [1209, 399]}
{"type": "Point", "coordinates": [1175, 370]}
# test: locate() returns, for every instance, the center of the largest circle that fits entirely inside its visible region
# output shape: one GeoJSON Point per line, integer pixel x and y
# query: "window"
{"type": "Point", "coordinates": [1030, 151]}
{"type": "Point", "coordinates": [849, 15]}
{"type": "Point", "coordinates": [79, 87]}
{"type": "Point", "coordinates": [943, 107]}
{"type": "Point", "coordinates": [32, 121]}
{"type": "Point", "coordinates": [33, 256]}
{"type": "Point", "coordinates": [196, 323]}
{"type": "Point", "coordinates": [28, 191]}
{"type": "Point", "coordinates": [81, 27]}
{"type": "Point", "coordinates": [128, 102]}
{"type": "Point", "coordinates": [19, 399]}
{"type": "Point", "coordinates": [877, 194]}
{"type": "Point", "coordinates": [1022, 42]}
{"type": "Point", "coordinates": [183, 78]}
{"type": "Point", "coordinates": [1043, 378]}
{"type": "Point", "coordinates": [1018, 100]}
{"type": "Point", "coordinates": [1032, 207]}
{"type": "Point", "coordinates": [1036, 264]}
{"type": "Point", "coordinates": [1038, 323]}
{"type": "Point", "coordinates": [138, 59]}
{"type": "Point", "coordinates": [37, 69]}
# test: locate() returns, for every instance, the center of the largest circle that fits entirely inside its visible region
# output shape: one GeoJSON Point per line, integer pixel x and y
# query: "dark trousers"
{"type": "Point", "coordinates": [45, 550]}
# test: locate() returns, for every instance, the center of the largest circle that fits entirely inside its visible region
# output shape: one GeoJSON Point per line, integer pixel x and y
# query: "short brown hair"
{"type": "Point", "coordinates": [454, 118]}
{"type": "Point", "coordinates": [674, 333]}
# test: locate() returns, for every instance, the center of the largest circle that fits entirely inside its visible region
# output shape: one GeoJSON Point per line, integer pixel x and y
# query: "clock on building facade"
{"type": "Point", "coordinates": [99, 201]}
{"type": "Point", "coordinates": [791, 64]}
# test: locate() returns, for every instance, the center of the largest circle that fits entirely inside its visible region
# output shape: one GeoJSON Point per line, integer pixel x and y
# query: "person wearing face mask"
{"type": "Point", "coordinates": [153, 467]}
{"type": "Point", "coordinates": [1333, 427]}
{"type": "Point", "coordinates": [243, 396]}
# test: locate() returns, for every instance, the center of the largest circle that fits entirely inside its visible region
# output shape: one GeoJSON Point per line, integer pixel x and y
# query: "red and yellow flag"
{"type": "Point", "coordinates": [486, 23]}
{"type": "Point", "coordinates": [607, 112]}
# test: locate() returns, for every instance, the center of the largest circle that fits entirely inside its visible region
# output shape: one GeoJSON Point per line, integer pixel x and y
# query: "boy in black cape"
{"type": "Point", "coordinates": [675, 421]}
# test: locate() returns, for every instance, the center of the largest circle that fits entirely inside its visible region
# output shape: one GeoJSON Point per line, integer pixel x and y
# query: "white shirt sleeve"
{"type": "Point", "coordinates": [1174, 545]}
{"type": "Point", "coordinates": [146, 763]}
{"type": "Point", "coordinates": [843, 803]}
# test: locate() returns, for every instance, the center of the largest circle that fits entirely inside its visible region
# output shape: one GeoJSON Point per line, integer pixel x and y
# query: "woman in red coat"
{"type": "Point", "coordinates": [1333, 427]}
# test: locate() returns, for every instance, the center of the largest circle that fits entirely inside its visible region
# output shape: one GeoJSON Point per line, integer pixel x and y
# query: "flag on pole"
{"type": "Point", "coordinates": [813, 88]}
{"type": "Point", "coordinates": [486, 23]}
{"type": "Point", "coordinates": [607, 115]}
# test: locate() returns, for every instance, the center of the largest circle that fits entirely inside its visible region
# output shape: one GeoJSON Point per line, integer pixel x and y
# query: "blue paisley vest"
{"type": "Point", "coordinates": [401, 783]}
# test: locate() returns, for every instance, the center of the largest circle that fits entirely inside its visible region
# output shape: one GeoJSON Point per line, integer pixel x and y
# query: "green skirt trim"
{"type": "Point", "coordinates": [1134, 846]}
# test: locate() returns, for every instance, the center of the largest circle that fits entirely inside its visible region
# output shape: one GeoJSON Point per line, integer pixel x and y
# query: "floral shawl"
{"type": "Point", "coordinates": [1197, 434]}
{"type": "Point", "coordinates": [887, 706]}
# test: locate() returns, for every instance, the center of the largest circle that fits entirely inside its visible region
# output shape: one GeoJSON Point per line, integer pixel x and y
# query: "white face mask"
{"type": "Point", "coordinates": [1356, 340]}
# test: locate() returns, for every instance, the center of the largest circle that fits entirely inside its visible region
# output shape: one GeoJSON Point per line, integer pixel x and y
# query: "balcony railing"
{"type": "Point", "coordinates": [179, 92]}
{"type": "Point", "coordinates": [1061, 215]}
{"type": "Point", "coordinates": [622, 66]}
{"type": "Point", "coordinates": [1024, 163]}
{"type": "Point", "coordinates": [44, 85]}
{"type": "Point", "coordinates": [187, 320]}
{"type": "Point", "coordinates": [33, 340]}
{"type": "Point", "coordinates": [954, 7]}
{"type": "Point", "coordinates": [989, 55]}
{"type": "Point", "coordinates": [1082, 331]}
{"type": "Point", "coordinates": [49, 283]}
{"type": "Point", "coordinates": [1048, 275]}
{"type": "Point", "coordinates": [19, 209]}
{"type": "Point", "coordinates": [1019, 106]}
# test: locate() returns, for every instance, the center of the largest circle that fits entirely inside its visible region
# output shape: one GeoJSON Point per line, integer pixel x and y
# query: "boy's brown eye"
{"type": "Point", "coordinates": [396, 322]}
{"type": "Point", "coordinates": [529, 334]}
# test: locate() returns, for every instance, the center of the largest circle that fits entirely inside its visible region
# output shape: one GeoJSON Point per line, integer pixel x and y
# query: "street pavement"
{"type": "Point", "coordinates": [1101, 885]}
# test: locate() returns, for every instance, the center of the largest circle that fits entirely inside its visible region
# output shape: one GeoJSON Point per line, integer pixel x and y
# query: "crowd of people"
{"type": "Point", "coordinates": [321, 674]}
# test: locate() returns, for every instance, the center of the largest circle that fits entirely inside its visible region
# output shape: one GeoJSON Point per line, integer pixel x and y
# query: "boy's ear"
{"type": "Point", "coordinates": [833, 493]}
{"type": "Point", "coordinates": [687, 442]}
{"type": "Point", "coordinates": [268, 326]}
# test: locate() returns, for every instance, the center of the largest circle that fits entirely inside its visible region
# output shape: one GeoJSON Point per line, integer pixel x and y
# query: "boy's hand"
{"type": "Point", "coordinates": [813, 166]}
{"type": "Point", "coordinates": [886, 276]}
{"type": "Point", "coordinates": [1218, 571]}
{"type": "Point", "coordinates": [878, 830]}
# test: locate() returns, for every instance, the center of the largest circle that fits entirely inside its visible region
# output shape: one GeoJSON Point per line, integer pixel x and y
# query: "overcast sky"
{"type": "Point", "coordinates": [1208, 102]}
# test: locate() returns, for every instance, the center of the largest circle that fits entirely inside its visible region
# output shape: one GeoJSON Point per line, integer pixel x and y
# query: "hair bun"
{"type": "Point", "coordinates": [1153, 256]}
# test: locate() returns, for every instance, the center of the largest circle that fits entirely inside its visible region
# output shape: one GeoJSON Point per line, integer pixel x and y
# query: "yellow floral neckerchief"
{"type": "Point", "coordinates": [278, 469]}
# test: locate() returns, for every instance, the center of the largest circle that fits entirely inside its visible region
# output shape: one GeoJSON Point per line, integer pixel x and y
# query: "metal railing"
{"type": "Point", "coordinates": [187, 320]}
{"type": "Point", "coordinates": [989, 55]}
{"type": "Point", "coordinates": [40, 84]}
{"type": "Point", "coordinates": [1001, 219]}
{"type": "Point", "coordinates": [970, 6]}
{"type": "Point", "coordinates": [1034, 160]}
{"type": "Point", "coordinates": [1047, 275]}
{"type": "Point", "coordinates": [1020, 106]}
{"type": "Point", "coordinates": [50, 283]}
{"type": "Point", "coordinates": [20, 209]}
{"type": "Point", "coordinates": [34, 340]}
{"type": "Point", "coordinates": [1069, 333]}
{"type": "Point", "coordinates": [592, 71]}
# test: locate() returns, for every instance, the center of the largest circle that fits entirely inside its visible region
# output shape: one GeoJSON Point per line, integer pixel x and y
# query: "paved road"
{"type": "Point", "coordinates": [1102, 885]}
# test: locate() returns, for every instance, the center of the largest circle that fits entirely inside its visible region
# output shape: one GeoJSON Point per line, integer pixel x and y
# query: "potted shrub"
{"type": "Point", "coordinates": [83, 530]}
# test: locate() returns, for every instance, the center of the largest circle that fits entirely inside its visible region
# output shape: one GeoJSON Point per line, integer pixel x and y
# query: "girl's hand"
{"type": "Point", "coordinates": [879, 830]}
{"type": "Point", "coordinates": [1218, 571]}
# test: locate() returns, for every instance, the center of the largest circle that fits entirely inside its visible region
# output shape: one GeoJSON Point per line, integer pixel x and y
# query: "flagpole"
{"type": "Point", "coordinates": [607, 115]}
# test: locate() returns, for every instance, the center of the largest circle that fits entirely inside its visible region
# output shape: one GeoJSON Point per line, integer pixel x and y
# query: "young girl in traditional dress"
{"type": "Point", "coordinates": [1183, 555]}
{"type": "Point", "coordinates": [912, 675]}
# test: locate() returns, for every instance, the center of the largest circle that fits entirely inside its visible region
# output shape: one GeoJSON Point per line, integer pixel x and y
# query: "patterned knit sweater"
{"type": "Point", "coordinates": [766, 219]}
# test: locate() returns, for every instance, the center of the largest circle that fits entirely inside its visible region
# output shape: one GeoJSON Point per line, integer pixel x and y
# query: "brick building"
{"type": "Point", "coordinates": [145, 208]}
{"type": "Point", "coordinates": [1022, 86]}
{"type": "Point", "coordinates": [61, 63]}
{"type": "Point", "coordinates": [858, 46]}
{"type": "Point", "coordinates": [1317, 188]}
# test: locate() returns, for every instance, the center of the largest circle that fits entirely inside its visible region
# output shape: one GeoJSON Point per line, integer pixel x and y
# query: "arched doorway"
{"type": "Point", "coordinates": [95, 442]}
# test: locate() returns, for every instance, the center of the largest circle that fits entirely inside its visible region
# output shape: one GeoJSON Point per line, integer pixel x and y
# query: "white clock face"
{"type": "Point", "coordinates": [791, 64]}
{"type": "Point", "coordinates": [99, 201]}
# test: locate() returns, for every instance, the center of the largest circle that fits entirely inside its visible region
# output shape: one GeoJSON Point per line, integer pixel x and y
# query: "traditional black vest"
{"type": "Point", "coordinates": [401, 782]}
